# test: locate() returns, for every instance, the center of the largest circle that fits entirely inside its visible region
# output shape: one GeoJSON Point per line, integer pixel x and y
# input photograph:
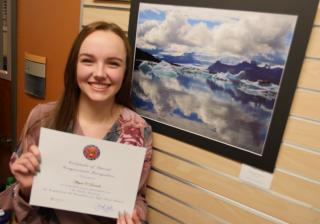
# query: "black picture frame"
{"type": "Point", "coordinates": [273, 95]}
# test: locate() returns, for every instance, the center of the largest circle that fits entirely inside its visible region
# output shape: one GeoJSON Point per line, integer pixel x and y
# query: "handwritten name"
{"type": "Point", "coordinates": [88, 184]}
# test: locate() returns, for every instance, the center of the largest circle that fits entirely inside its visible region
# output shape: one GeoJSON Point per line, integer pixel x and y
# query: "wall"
{"type": "Point", "coordinates": [190, 185]}
{"type": "Point", "coordinates": [45, 28]}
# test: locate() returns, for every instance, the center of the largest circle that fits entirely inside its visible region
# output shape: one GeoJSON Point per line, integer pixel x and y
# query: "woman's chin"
{"type": "Point", "coordinates": [100, 99]}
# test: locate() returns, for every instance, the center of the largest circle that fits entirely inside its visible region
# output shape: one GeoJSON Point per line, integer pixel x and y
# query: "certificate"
{"type": "Point", "coordinates": [86, 175]}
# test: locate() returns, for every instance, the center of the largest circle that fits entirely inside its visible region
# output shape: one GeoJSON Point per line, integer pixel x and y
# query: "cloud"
{"type": "Point", "coordinates": [248, 37]}
{"type": "Point", "coordinates": [169, 34]}
{"type": "Point", "coordinates": [238, 35]}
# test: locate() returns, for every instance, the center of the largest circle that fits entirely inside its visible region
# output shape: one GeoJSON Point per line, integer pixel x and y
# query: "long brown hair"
{"type": "Point", "coordinates": [66, 108]}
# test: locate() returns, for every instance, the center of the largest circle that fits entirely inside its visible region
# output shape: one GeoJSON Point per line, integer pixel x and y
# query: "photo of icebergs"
{"type": "Point", "coordinates": [212, 72]}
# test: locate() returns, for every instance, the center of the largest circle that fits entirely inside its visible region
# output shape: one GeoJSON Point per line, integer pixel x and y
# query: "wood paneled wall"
{"type": "Point", "coordinates": [190, 185]}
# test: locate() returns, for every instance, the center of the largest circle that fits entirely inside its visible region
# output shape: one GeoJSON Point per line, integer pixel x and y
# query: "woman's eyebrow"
{"type": "Point", "coordinates": [116, 58]}
{"type": "Point", "coordinates": [108, 59]}
{"type": "Point", "coordinates": [85, 54]}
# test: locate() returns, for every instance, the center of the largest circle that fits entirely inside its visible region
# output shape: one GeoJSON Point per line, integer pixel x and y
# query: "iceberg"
{"type": "Point", "coordinates": [259, 88]}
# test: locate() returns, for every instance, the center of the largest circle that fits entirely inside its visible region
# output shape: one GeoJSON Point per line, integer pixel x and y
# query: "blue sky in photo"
{"type": "Point", "coordinates": [151, 15]}
{"type": "Point", "coordinates": [288, 38]}
{"type": "Point", "coordinates": [210, 24]}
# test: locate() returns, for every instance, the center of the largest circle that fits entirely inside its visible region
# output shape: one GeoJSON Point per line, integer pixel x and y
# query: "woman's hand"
{"type": "Point", "coordinates": [127, 219]}
{"type": "Point", "coordinates": [25, 167]}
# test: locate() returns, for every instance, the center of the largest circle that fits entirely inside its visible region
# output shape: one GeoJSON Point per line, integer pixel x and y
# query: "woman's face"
{"type": "Point", "coordinates": [101, 66]}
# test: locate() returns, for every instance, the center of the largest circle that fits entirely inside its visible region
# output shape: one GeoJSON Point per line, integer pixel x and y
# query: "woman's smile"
{"type": "Point", "coordinates": [97, 86]}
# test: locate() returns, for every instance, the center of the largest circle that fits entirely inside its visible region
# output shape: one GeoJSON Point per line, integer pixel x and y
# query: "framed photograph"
{"type": "Point", "coordinates": [220, 74]}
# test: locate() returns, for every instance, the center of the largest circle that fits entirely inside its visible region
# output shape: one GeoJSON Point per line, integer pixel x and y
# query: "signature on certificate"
{"type": "Point", "coordinates": [103, 207]}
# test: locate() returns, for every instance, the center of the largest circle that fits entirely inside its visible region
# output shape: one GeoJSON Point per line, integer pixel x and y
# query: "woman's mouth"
{"type": "Point", "coordinates": [99, 86]}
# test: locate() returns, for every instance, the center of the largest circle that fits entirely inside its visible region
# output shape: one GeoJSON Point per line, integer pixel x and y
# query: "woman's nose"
{"type": "Point", "coordinates": [100, 72]}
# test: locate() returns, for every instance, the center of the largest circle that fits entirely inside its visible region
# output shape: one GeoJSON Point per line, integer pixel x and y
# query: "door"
{"type": "Point", "coordinates": [7, 84]}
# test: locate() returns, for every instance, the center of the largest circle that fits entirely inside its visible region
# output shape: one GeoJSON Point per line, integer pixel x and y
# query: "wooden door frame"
{"type": "Point", "coordinates": [11, 61]}
{"type": "Point", "coordinates": [12, 65]}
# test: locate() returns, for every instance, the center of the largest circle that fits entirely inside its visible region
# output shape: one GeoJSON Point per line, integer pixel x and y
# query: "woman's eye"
{"type": "Point", "coordinates": [86, 60]}
{"type": "Point", "coordinates": [114, 64]}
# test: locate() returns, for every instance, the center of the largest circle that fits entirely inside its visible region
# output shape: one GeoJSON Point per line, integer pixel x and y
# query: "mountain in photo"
{"type": "Point", "coordinates": [147, 55]}
{"type": "Point", "coordinates": [252, 71]}
{"type": "Point", "coordinates": [186, 58]}
{"type": "Point", "coordinates": [143, 56]}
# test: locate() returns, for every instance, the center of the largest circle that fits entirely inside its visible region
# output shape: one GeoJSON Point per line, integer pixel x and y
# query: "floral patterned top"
{"type": "Point", "coordinates": [130, 128]}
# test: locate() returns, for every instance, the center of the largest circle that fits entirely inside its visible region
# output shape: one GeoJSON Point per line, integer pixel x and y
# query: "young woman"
{"type": "Point", "coordinates": [95, 103]}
